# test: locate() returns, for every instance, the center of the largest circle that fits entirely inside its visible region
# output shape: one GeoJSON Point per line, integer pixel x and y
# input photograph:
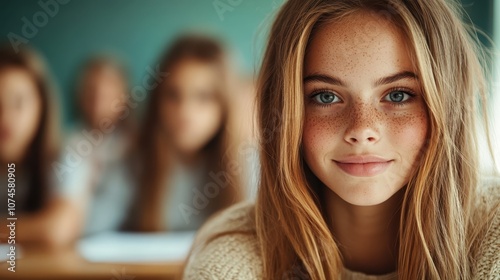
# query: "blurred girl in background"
{"type": "Point", "coordinates": [28, 145]}
{"type": "Point", "coordinates": [99, 184]}
{"type": "Point", "coordinates": [189, 169]}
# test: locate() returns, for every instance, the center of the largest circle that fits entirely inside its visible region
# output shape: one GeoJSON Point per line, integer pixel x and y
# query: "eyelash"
{"type": "Point", "coordinates": [407, 91]}
{"type": "Point", "coordinates": [403, 90]}
{"type": "Point", "coordinates": [315, 92]}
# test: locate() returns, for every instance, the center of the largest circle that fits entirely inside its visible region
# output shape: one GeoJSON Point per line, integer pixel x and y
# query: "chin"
{"type": "Point", "coordinates": [365, 194]}
{"type": "Point", "coordinates": [365, 201]}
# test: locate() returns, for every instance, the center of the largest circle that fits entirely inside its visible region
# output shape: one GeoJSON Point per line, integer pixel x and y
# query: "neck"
{"type": "Point", "coordinates": [184, 158]}
{"type": "Point", "coordinates": [188, 159]}
{"type": "Point", "coordinates": [367, 235]}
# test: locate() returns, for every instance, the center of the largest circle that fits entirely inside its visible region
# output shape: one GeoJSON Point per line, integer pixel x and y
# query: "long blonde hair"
{"type": "Point", "coordinates": [435, 241]}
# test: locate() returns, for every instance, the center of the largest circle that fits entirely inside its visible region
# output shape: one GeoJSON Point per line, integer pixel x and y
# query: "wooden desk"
{"type": "Point", "coordinates": [38, 263]}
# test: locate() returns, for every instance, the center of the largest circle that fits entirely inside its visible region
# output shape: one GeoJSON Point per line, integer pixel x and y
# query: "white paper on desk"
{"type": "Point", "coordinates": [120, 247]}
{"type": "Point", "coordinates": [5, 250]}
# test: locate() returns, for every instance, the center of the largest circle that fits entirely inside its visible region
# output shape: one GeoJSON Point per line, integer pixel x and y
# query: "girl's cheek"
{"type": "Point", "coordinates": [321, 131]}
{"type": "Point", "coordinates": [410, 131]}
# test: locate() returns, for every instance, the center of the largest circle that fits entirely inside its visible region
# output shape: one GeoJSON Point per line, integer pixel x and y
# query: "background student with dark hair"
{"type": "Point", "coordinates": [29, 144]}
{"type": "Point", "coordinates": [186, 138]}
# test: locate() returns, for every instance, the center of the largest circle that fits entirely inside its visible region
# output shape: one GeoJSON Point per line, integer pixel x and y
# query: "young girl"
{"type": "Point", "coordinates": [28, 146]}
{"type": "Point", "coordinates": [188, 169]}
{"type": "Point", "coordinates": [99, 185]}
{"type": "Point", "coordinates": [369, 161]}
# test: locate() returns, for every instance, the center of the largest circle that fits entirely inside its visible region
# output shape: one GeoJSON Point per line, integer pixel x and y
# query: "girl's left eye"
{"type": "Point", "coordinates": [325, 98]}
{"type": "Point", "coordinates": [398, 96]}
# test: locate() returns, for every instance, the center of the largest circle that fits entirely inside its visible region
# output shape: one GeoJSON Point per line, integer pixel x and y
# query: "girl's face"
{"type": "Point", "coordinates": [190, 109]}
{"type": "Point", "coordinates": [20, 113]}
{"type": "Point", "coordinates": [366, 121]}
{"type": "Point", "coordinates": [102, 89]}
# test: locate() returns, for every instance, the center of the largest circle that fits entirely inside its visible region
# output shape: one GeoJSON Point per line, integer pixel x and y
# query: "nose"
{"type": "Point", "coordinates": [363, 126]}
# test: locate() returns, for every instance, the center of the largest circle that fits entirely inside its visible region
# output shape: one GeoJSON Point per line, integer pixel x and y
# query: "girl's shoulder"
{"type": "Point", "coordinates": [488, 196]}
{"type": "Point", "coordinates": [488, 211]}
{"type": "Point", "coordinates": [226, 247]}
{"type": "Point", "coordinates": [490, 185]}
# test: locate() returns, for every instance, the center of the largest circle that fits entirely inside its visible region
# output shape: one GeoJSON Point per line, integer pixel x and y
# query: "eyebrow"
{"type": "Point", "coordinates": [325, 79]}
{"type": "Point", "coordinates": [382, 81]}
{"type": "Point", "coordinates": [396, 77]}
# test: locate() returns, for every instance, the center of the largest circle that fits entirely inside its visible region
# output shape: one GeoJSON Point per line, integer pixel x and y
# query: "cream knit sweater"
{"type": "Point", "coordinates": [236, 255]}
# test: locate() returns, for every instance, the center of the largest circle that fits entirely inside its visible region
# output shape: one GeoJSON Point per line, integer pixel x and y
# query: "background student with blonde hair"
{"type": "Point", "coordinates": [370, 168]}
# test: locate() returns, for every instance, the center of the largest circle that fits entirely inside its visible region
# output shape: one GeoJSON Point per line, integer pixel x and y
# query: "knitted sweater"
{"type": "Point", "coordinates": [222, 251]}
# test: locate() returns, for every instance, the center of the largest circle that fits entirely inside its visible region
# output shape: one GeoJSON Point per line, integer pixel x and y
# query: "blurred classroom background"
{"type": "Point", "coordinates": [138, 31]}
{"type": "Point", "coordinates": [106, 64]}
{"type": "Point", "coordinates": [153, 107]}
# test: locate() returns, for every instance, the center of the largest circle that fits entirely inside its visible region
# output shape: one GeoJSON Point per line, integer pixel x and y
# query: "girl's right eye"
{"type": "Point", "coordinates": [325, 98]}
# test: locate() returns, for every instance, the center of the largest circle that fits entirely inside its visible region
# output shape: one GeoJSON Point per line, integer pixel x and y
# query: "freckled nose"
{"type": "Point", "coordinates": [362, 127]}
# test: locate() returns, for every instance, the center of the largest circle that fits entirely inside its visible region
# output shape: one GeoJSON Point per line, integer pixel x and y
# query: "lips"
{"type": "Point", "coordinates": [363, 165]}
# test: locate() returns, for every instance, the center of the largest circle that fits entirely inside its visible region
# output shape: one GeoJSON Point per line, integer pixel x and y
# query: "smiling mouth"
{"type": "Point", "coordinates": [364, 168]}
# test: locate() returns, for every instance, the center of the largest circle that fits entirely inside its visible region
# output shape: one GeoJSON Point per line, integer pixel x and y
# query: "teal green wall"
{"type": "Point", "coordinates": [481, 13]}
{"type": "Point", "coordinates": [136, 30]}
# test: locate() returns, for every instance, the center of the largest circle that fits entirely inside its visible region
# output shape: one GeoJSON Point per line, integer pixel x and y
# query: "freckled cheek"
{"type": "Point", "coordinates": [409, 133]}
{"type": "Point", "coordinates": [321, 134]}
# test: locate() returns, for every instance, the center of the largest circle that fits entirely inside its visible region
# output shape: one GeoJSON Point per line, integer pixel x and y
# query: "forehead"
{"type": "Point", "coordinates": [103, 73]}
{"type": "Point", "coordinates": [192, 73]}
{"type": "Point", "coordinates": [357, 43]}
{"type": "Point", "coordinates": [16, 78]}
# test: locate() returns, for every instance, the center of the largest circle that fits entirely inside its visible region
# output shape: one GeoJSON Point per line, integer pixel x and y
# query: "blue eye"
{"type": "Point", "coordinates": [398, 96]}
{"type": "Point", "coordinates": [325, 98]}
